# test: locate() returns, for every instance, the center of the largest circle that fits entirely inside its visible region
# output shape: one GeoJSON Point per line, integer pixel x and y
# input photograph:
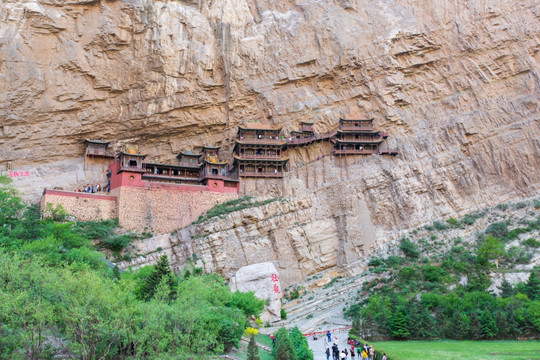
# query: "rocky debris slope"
{"type": "Point", "coordinates": [318, 302]}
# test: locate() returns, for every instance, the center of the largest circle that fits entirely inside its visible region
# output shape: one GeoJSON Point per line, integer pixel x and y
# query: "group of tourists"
{"type": "Point", "coordinates": [91, 189]}
{"type": "Point", "coordinates": [354, 348]}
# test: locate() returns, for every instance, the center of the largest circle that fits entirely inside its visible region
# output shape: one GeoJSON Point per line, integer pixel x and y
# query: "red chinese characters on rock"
{"type": "Point", "coordinates": [275, 281]}
{"type": "Point", "coordinates": [18, 173]}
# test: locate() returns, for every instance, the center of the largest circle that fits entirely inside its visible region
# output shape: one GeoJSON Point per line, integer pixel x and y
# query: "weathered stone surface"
{"type": "Point", "coordinates": [263, 279]}
{"type": "Point", "coordinates": [455, 83]}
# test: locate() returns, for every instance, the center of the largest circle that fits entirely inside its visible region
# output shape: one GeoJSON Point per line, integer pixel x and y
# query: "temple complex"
{"type": "Point", "coordinates": [259, 151]}
{"type": "Point", "coordinates": [165, 197]}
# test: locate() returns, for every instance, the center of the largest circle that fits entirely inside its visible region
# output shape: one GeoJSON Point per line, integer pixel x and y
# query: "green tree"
{"type": "Point", "coordinates": [491, 249]}
{"type": "Point", "coordinates": [11, 205]}
{"type": "Point", "coordinates": [248, 303]}
{"type": "Point", "coordinates": [252, 349]}
{"type": "Point", "coordinates": [421, 324]}
{"type": "Point", "coordinates": [489, 327]}
{"type": "Point", "coordinates": [533, 284]}
{"type": "Point", "coordinates": [283, 348]}
{"type": "Point", "coordinates": [162, 271]}
{"type": "Point", "coordinates": [507, 290]}
{"type": "Point", "coordinates": [398, 324]}
{"type": "Point", "coordinates": [300, 344]}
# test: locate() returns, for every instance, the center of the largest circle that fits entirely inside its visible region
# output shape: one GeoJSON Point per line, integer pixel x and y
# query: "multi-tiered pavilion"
{"type": "Point", "coordinates": [259, 151]}
{"type": "Point", "coordinates": [358, 137]}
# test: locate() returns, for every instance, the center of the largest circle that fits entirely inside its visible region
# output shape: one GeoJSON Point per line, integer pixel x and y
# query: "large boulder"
{"type": "Point", "coordinates": [263, 279]}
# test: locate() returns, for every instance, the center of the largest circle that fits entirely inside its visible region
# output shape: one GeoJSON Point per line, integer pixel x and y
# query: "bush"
{"type": "Point", "coordinates": [283, 314]}
{"type": "Point", "coordinates": [453, 222]}
{"type": "Point", "coordinates": [468, 219]}
{"type": "Point", "coordinates": [375, 262]}
{"type": "Point", "coordinates": [432, 273]}
{"type": "Point", "coordinates": [498, 229]}
{"type": "Point", "coordinates": [247, 302]}
{"type": "Point", "coordinates": [502, 207]}
{"type": "Point", "coordinates": [117, 243]}
{"type": "Point", "coordinates": [439, 225]}
{"type": "Point", "coordinates": [530, 242]}
{"type": "Point", "coordinates": [409, 249]}
{"type": "Point", "coordinates": [536, 204]}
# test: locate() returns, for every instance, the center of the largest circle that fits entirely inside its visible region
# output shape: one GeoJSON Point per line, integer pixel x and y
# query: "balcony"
{"type": "Point", "coordinates": [260, 156]}
{"type": "Point", "coordinates": [99, 152]}
{"type": "Point", "coordinates": [361, 139]}
{"type": "Point", "coordinates": [357, 128]}
{"type": "Point", "coordinates": [262, 175]}
{"type": "Point", "coordinates": [261, 140]}
{"type": "Point", "coordinates": [356, 152]}
{"type": "Point", "coordinates": [171, 177]}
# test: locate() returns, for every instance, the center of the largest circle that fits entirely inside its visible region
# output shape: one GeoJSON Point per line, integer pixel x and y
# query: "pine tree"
{"type": "Point", "coordinates": [398, 324]}
{"type": "Point", "coordinates": [489, 327]}
{"type": "Point", "coordinates": [252, 349]}
{"type": "Point", "coordinates": [533, 284]}
{"type": "Point", "coordinates": [301, 345]}
{"type": "Point", "coordinates": [421, 324]}
{"type": "Point", "coordinates": [162, 270]}
{"type": "Point", "coordinates": [507, 290]}
{"type": "Point", "coordinates": [283, 348]}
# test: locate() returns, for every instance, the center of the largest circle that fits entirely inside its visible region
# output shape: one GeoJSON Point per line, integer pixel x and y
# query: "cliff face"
{"type": "Point", "coordinates": [455, 83]}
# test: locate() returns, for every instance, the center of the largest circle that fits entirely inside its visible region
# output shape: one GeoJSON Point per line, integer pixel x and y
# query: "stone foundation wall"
{"type": "Point", "coordinates": [85, 207]}
{"type": "Point", "coordinates": [162, 210]}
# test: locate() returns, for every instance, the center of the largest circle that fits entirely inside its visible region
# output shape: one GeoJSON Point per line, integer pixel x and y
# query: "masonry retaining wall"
{"type": "Point", "coordinates": [84, 206]}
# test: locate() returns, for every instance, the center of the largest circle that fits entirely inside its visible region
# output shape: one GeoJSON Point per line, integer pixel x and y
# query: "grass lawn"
{"type": "Point", "coordinates": [461, 350]}
{"type": "Point", "coordinates": [264, 339]}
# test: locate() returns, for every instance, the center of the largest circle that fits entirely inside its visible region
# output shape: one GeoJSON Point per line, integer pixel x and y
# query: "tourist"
{"type": "Point", "coordinates": [371, 353]}
{"type": "Point", "coordinates": [335, 351]}
{"type": "Point", "coordinates": [329, 336]}
{"type": "Point", "coordinates": [384, 356]}
{"type": "Point", "coordinates": [98, 188]}
{"type": "Point", "coordinates": [342, 355]}
{"type": "Point", "coordinates": [327, 352]}
{"type": "Point", "coordinates": [92, 189]}
{"type": "Point", "coordinates": [346, 353]}
{"type": "Point", "coordinates": [352, 351]}
{"type": "Point", "coordinates": [364, 353]}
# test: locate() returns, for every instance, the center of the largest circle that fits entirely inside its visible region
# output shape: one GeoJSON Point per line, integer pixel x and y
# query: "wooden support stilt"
{"type": "Point", "coordinates": [340, 168]}
{"type": "Point", "coordinates": [307, 175]}
{"type": "Point", "coordinates": [315, 174]}
{"type": "Point", "coordinates": [323, 172]}
{"type": "Point", "coordinates": [346, 168]}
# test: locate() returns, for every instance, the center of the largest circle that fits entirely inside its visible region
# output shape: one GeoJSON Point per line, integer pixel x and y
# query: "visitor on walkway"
{"type": "Point", "coordinates": [335, 351]}
{"type": "Point", "coordinates": [329, 335]}
{"type": "Point", "coordinates": [327, 352]}
{"type": "Point", "coordinates": [353, 355]}
{"type": "Point", "coordinates": [342, 355]}
{"type": "Point", "coordinates": [384, 356]}
{"type": "Point", "coordinates": [371, 353]}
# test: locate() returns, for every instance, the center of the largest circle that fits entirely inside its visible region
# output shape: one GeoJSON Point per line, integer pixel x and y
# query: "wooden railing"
{"type": "Point", "coordinates": [263, 174]}
{"type": "Point", "coordinates": [261, 156]}
{"type": "Point", "coordinates": [310, 139]}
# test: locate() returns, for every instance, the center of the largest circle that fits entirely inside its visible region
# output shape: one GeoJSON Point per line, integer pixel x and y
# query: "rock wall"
{"type": "Point", "coordinates": [455, 83]}
{"type": "Point", "coordinates": [84, 206]}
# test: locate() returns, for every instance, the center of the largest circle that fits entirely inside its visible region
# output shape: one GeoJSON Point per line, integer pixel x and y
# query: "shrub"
{"type": "Point", "coordinates": [432, 273]}
{"type": "Point", "coordinates": [247, 302]}
{"type": "Point", "coordinates": [453, 222]}
{"type": "Point", "coordinates": [498, 229]}
{"type": "Point", "coordinates": [250, 331]}
{"type": "Point", "coordinates": [530, 242]}
{"type": "Point", "coordinates": [409, 249]}
{"type": "Point", "coordinates": [283, 314]}
{"type": "Point", "coordinates": [375, 262]}
{"type": "Point", "coordinates": [521, 205]}
{"type": "Point", "coordinates": [392, 261]}
{"type": "Point", "coordinates": [536, 204]}
{"type": "Point", "coordinates": [117, 243]}
{"type": "Point", "coordinates": [468, 219]}
{"type": "Point", "coordinates": [439, 225]}
{"type": "Point", "coordinates": [502, 207]}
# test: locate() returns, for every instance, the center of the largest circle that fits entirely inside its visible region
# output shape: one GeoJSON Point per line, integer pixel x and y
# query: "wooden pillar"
{"type": "Point", "coordinates": [323, 171]}
{"type": "Point", "coordinates": [307, 175]}
{"type": "Point", "coordinates": [346, 168]}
